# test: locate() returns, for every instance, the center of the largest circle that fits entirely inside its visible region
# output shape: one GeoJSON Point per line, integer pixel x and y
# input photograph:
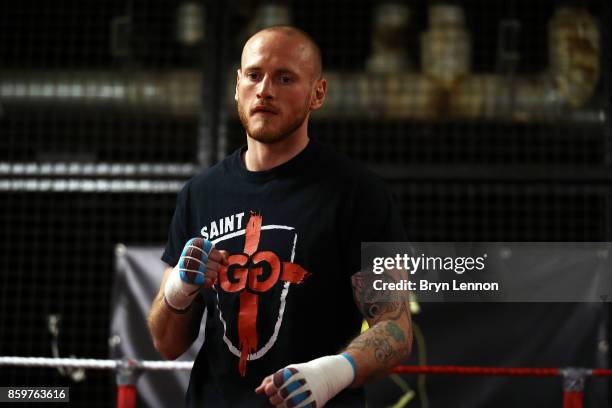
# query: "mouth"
{"type": "Point", "coordinates": [263, 109]}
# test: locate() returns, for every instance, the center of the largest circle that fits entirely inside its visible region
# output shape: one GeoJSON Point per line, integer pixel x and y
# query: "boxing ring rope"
{"type": "Point", "coordinates": [573, 378]}
{"type": "Point", "coordinates": [127, 372]}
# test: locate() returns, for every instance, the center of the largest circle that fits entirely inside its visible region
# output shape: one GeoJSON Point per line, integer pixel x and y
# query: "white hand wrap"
{"type": "Point", "coordinates": [314, 383]}
{"type": "Point", "coordinates": [178, 293]}
{"type": "Point", "coordinates": [189, 274]}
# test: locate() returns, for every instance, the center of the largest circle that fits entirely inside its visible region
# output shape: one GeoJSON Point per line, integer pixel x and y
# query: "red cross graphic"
{"type": "Point", "coordinates": [246, 276]}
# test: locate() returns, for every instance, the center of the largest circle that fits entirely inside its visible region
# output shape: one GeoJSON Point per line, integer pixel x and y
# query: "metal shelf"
{"type": "Point", "coordinates": [72, 169]}
{"type": "Point", "coordinates": [91, 186]}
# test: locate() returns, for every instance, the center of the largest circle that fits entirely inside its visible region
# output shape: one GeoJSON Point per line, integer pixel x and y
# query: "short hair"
{"type": "Point", "coordinates": [291, 31]}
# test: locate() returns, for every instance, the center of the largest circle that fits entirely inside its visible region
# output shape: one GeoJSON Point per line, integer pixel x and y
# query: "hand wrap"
{"type": "Point", "coordinates": [189, 274]}
{"type": "Point", "coordinates": [314, 383]}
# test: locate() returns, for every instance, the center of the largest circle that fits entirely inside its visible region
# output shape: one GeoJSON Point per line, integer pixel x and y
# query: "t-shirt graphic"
{"type": "Point", "coordinates": [259, 276]}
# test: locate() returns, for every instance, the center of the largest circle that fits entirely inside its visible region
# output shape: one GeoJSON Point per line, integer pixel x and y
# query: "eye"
{"type": "Point", "coordinates": [285, 79]}
{"type": "Point", "coordinates": [252, 76]}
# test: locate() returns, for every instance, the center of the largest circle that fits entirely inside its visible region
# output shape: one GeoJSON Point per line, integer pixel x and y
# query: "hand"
{"type": "Point", "coordinates": [197, 267]}
{"type": "Point", "coordinates": [310, 384]}
{"type": "Point", "coordinates": [199, 262]}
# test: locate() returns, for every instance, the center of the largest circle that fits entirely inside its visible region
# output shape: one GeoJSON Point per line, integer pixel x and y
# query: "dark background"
{"type": "Point", "coordinates": [454, 180]}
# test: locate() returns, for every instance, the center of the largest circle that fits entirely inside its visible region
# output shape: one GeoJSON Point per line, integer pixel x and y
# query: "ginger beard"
{"type": "Point", "coordinates": [271, 128]}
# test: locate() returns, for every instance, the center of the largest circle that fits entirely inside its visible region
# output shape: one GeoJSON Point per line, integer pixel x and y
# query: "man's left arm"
{"type": "Point", "coordinates": [370, 355]}
{"type": "Point", "coordinates": [388, 341]}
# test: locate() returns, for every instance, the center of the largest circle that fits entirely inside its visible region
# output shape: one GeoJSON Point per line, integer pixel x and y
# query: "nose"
{"type": "Point", "coordinates": [264, 88]}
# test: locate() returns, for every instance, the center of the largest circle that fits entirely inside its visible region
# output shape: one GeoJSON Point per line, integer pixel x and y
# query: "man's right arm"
{"type": "Point", "coordinates": [172, 332]}
{"type": "Point", "coordinates": [177, 310]}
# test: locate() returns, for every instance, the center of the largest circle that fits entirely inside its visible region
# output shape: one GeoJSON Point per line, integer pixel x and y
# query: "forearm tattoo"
{"type": "Point", "coordinates": [388, 338]}
{"type": "Point", "coordinates": [396, 332]}
{"type": "Point", "coordinates": [376, 340]}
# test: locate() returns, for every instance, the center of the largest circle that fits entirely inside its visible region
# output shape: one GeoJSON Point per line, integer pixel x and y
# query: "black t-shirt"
{"type": "Point", "coordinates": [294, 234]}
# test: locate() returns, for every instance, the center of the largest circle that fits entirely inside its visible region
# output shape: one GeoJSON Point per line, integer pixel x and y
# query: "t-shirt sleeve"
{"type": "Point", "coordinates": [177, 233]}
{"type": "Point", "coordinates": [375, 217]}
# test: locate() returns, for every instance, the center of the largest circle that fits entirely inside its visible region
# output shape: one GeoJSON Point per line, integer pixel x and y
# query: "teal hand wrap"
{"type": "Point", "coordinates": [192, 263]}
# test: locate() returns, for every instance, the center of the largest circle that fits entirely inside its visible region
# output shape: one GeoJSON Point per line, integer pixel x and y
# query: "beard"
{"type": "Point", "coordinates": [267, 135]}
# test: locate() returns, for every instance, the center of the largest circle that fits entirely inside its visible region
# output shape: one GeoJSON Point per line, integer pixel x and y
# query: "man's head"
{"type": "Point", "coordinates": [278, 84]}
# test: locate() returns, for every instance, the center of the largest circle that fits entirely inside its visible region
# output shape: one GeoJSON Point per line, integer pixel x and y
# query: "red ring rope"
{"type": "Point", "coordinates": [493, 371]}
{"type": "Point", "coordinates": [572, 397]}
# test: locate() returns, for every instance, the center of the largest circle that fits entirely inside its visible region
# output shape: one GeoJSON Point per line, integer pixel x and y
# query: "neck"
{"type": "Point", "coordinates": [264, 156]}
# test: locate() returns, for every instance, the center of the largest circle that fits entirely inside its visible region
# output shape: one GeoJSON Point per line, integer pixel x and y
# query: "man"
{"type": "Point", "coordinates": [265, 244]}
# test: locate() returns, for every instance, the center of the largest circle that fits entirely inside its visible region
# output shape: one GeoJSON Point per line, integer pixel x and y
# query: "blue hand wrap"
{"type": "Point", "coordinates": [296, 399]}
{"type": "Point", "coordinates": [350, 360]}
{"type": "Point", "coordinates": [187, 270]}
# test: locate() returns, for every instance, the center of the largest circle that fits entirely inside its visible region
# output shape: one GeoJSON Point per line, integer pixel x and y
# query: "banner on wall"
{"type": "Point", "coordinates": [138, 273]}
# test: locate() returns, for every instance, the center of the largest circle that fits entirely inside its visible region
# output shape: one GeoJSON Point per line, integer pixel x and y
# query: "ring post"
{"type": "Point", "coordinates": [573, 386]}
{"type": "Point", "coordinates": [128, 372]}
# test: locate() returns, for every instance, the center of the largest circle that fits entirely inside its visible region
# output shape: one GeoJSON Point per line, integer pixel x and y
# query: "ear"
{"type": "Point", "coordinates": [238, 76]}
{"type": "Point", "coordinates": [319, 93]}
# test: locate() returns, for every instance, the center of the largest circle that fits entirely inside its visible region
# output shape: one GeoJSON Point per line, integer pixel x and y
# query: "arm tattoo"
{"type": "Point", "coordinates": [396, 332]}
{"type": "Point", "coordinates": [389, 338]}
{"type": "Point", "coordinates": [392, 307]}
{"type": "Point", "coordinates": [378, 342]}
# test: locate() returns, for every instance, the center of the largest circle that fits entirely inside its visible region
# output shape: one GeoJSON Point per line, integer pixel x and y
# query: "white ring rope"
{"type": "Point", "coordinates": [90, 363]}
